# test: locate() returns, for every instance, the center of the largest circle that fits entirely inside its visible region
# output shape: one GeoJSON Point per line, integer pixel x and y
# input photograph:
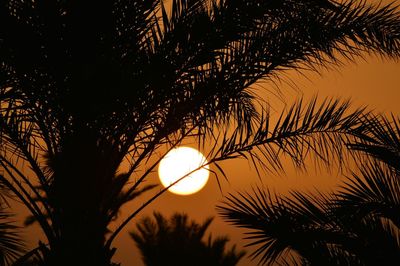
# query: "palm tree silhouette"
{"type": "Point", "coordinates": [87, 85]}
{"type": "Point", "coordinates": [357, 225]}
{"type": "Point", "coordinates": [178, 241]}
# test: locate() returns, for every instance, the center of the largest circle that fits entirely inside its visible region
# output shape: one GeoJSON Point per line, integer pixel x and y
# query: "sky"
{"type": "Point", "coordinates": [372, 82]}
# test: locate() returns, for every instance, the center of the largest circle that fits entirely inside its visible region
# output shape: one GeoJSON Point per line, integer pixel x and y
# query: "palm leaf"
{"type": "Point", "coordinates": [11, 244]}
{"type": "Point", "coordinates": [305, 129]}
{"type": "Point", "coordinates": [382, 141]}
{"type": "Point", "coordinates": [273, 227]}
{"type": "Point", "coordinates": [376, 191]}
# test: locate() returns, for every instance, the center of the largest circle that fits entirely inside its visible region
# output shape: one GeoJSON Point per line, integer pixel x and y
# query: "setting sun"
{"type": "Point", "coordinates": [180, 162]}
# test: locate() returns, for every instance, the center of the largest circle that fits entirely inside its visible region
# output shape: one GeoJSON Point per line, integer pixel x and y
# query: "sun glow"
{"type": "Point", "coordinates": [180, 162]}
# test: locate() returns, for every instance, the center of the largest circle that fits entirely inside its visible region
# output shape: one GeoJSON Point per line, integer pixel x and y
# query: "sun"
{"type": "Point", "coordinates": [180, 162]}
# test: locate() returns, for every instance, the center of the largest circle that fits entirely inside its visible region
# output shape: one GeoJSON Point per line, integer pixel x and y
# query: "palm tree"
{"type": "Point", "coordinates": [178, 241]}
{"type": "Point", "coordinates": [357, 225]}
{"type": "Point", "coordinates": [87, 85]}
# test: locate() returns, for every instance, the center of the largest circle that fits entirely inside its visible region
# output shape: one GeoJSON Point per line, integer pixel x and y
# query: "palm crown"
{"type": "Point", "coordinates": [176, 241]}
{"type": "Point", "coordinates": [85, 85]}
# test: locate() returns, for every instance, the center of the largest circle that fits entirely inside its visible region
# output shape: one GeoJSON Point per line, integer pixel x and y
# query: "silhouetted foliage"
{"type": "Point", "coordinates": [178, 241]}
{"type": "Point", "coordinates": [11, 243]}
{"type": "Point", "coordinates": [357, 225]}
{"type": "Point", "coordinates": [87, 85]}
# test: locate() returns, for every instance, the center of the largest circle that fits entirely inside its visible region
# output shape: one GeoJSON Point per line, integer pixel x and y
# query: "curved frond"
{"type": "Point", "coordinates": [376, 191]}
{"type": "Point", "coordinates": [279, 226]}
{"type": "Point", "coordinates": [381, 141]}
{"type": "Point", "coordinates": [305, 129]}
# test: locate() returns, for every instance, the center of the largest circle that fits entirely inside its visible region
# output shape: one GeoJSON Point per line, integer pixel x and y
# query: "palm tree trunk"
{"type": "Point", "coordinates": [81, 181]}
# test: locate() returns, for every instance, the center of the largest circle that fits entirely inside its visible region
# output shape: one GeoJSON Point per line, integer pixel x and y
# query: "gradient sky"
{"type": "Point", "coordinates": [373, 81]}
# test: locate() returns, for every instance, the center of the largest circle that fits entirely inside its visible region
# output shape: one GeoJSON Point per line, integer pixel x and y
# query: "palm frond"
{"type": "Point", "coordinates": [277, 226]}
{"type": "Point", "coordinates": [375, 192]}
{"type": "Point", "coordinates": [381, 141]}
{"type": "Point", "coordinates": [374, 240]}
{"type": "Point", "coordinates": [11, 244]}
{"type": "Point", "coordinates": [305, 129]}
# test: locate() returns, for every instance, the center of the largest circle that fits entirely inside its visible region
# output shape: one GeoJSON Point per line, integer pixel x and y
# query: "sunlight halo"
{"type": "Point", "coordinates": [179, 162]}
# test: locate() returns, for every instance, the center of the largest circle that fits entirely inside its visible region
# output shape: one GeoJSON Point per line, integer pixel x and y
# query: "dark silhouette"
{"type": "Point", "coordinates": [178, 241]}
{"type": "Point", "coordinates": [11, 244]}
{"type": "Point", "coordinates": [357, 225]}
{"type": "Point", "coordinates": [86, 85]}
